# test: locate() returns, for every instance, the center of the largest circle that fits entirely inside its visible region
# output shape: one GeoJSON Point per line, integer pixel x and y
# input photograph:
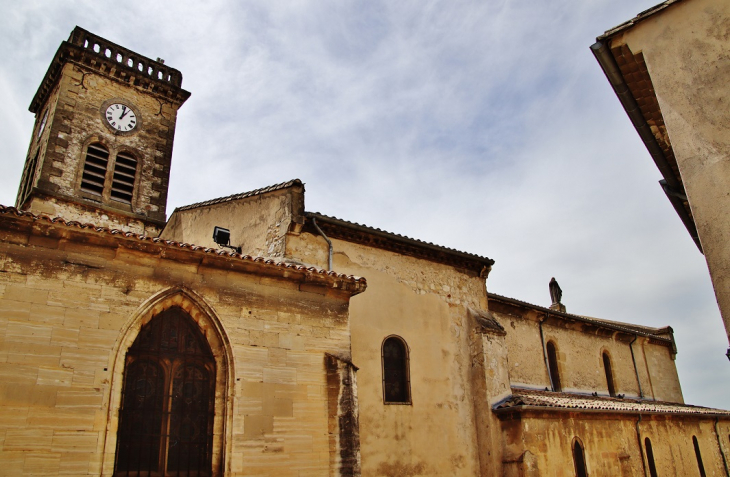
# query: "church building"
{"type": "Point", "coordinates": [248, 336]}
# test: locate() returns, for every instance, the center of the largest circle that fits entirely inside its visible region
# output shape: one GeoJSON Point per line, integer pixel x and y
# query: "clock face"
{"type": "Point", "coordinates": [121, 117]}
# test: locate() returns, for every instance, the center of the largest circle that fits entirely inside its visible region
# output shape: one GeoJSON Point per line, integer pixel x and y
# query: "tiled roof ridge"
{"type": "Point", "coordinates": [534, 398]}
{"type": "Point", "coordinates": [638, 18]}
{"type": "Point", "coordinates": [397, 236]}
{"type": "Point", "coordinates": [594, 321]}
{"type": "Point", "coordinates": [241, 195]}
{"type": "Point", "coordinates": [6, 210]}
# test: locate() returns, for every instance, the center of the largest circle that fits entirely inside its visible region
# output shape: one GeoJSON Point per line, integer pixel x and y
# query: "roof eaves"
{"type": "Point", "coordinates": [530, 399]}
{"type": "Point", "coordinates": [637, 19]}
{"type": "Point", "coordinates": [359, 282]}
{"type": "Point", "coordinates": [242, 195]}
{"type": "Point", "coordinates": [584, 319]}
{"type": "Point", "coordinates": [487, 262]}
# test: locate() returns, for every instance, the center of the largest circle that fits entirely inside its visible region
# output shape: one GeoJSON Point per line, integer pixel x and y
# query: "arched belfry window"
{"type": "Point", "coordinates": [552, 355]}
{"type": "Point", "coordinates": [95, 164]}
{"type": "Point", "coordinates": [167, 409]}
{"type": "Point", "coordinates": [579, 459]}
{"type": "Point", "coordinates": [97, 179]}
{"type": "Point", "coordinates": [125, 171]}
{"type": "Point", "coordinates": [396, 375]}
{"type": "Point", "coordinates": [609, 374]}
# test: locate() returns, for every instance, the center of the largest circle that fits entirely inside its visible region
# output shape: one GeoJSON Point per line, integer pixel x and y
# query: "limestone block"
{"type": "Point", "coordinates": [29, 439]}
{"type": "Point", "coordinates": [67, 419]}
{"type": "Point", "coordinates": [75, 441]}
{"type": "Point", "coordinates": [255, 426]}
{"type": "Point", "coordinates": [79, 398]}
{"type": "Point", "coordinates": [41, 463]}
{"type": "Point", "coordinates": [28, 333]}
{"type": "Point", "coordinates": [58, 377]}
{"type": "Point", "coordinates": [50, 315]}
{"type": "Point", "coordinates": [280, 375]}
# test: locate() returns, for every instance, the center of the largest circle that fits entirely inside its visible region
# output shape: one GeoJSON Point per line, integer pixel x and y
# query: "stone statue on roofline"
{"type": "Point", "coordinates": [556, 295]}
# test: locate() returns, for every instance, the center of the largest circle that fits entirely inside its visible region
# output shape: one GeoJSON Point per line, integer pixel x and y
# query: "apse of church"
{"type": "Point", "coordinates": [135, 344]}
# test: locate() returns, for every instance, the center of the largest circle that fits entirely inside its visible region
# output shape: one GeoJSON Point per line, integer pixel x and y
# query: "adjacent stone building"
{"type": "Point", "coordinates": [669, 67]}
{"type": "Point", "coordinates": [221, 342]}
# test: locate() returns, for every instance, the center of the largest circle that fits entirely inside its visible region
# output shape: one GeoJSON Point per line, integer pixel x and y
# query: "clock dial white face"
{"type": "Point", "coordinates": [121, 117]}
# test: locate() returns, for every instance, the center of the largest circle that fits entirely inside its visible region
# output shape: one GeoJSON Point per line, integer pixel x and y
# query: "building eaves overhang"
{"type": "Point", "coordinates": [638, 19]}
{"type": "Point", "coordinates": [653, 334]}
{"type": "Point", "coordinates": [242, 195]}
{"type": "Point", "coordinates": [374, 237]}
{"type": "Point", "coordinates": [114, 61]}
{"type": "Point", "coordinates": [631, 83]}
{"type": "Point", "coordinates": [530, 400]}
{"type": "Point", "coordinates": [17, 226]}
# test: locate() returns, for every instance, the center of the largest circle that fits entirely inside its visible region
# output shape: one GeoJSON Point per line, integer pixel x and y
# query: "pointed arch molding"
{"type": "Point", "coordinates": [212, 329]}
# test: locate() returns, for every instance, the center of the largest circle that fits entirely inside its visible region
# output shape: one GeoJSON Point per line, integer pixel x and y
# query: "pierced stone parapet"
{"type": "Point", "coordinates": [135, 61]}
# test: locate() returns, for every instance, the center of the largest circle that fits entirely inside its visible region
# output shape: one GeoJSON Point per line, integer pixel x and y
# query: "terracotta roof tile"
{"type": "Point", "coordinates": [4, 210]}
{"type": "Point", "coordinates": [398, 237]}
{"type": "Point", "coordinates": [529, 398]}
{"type": "Point", "coordinates": [654, 333]}
{"type": "Point", "coordinates": [638, 18]}
{"type": "Point", "coordinates": [242, 195]}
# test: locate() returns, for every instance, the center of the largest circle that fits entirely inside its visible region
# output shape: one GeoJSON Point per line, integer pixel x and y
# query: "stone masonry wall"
{"type": "Point", "coordinates": [78, 122]}
{"type": "Point", "coordinates": [66, 309]}
{"type": "Point", "coordinates": [258, 224]}
{"type": "Point", "coordinates": [580, 361]}
{"type": "Point", "coordinates": [611, 443]}
{"type": "Point", "coordinates": [426, 304]}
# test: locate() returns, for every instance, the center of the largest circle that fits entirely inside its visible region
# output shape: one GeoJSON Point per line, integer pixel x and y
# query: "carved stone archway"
{"type": "Point", "coordinates": [211, 328]}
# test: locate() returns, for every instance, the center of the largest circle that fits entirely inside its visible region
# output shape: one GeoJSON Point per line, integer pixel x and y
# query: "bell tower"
{"type": "Point", "coordinates": [101, 147]}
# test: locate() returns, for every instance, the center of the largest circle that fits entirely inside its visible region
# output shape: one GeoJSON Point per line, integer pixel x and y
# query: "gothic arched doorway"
{"type": "Point", "coordinates": [167, 409]}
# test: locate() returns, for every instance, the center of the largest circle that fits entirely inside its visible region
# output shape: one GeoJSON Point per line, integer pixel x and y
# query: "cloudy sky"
{"type": "Point", "coordinates": [482, 125]}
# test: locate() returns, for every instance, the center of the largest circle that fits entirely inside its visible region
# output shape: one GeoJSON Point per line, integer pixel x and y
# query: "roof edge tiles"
{"type": "Point", "coordinates": [242, 195]}
{"type": "Point", "coordinates": [637, 19]}
{"type": "Point", "coordinates": [522, 400]}
{"type": "Point", "coordinates": [349, 283]}
{"type": "Point", "coordinates": [611, 325]}
{"type": "Point", "coordinates": [374, 237]}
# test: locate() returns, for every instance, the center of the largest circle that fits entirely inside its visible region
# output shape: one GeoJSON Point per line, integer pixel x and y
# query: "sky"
{"type": "Point", "coordinates": [482, 125]}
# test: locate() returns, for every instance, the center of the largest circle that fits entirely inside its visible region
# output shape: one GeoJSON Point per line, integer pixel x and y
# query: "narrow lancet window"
{"type": "Point", "coordinates": [699, 456]}
{"type": "Point", "coordinates": [650, 457]}
{"type": "Point", "coordinates": [579, 460]}
{"type": "Point", "coordinates": [553, 366]}
{"type": "Point", "coordinates": [609, 374]}
{"type": "Point", "coordinates": [396, 377]}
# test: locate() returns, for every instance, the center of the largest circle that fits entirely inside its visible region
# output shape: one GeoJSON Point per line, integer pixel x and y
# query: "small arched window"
{"type": "Point", "coordinates": [650, 457]}
{"type": "Point", "coordinates": [609, 374]}
{"type": "Point", "coordinates": [125, 171]}
{"type": "Point", "coordinates": [699, 456]}
{"type": "Point", "coordinates": [95, 165]}
{"type": "Point", "coordinates": [396, 376]}
{"type": "Point", "coordinates": [579, 459]}
{"type": "Point", "coordinates": [553, 366]}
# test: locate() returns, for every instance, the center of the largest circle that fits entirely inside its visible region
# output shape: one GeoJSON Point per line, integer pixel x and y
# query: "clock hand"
{"type": "Point", "coordinates": [124, 112]}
